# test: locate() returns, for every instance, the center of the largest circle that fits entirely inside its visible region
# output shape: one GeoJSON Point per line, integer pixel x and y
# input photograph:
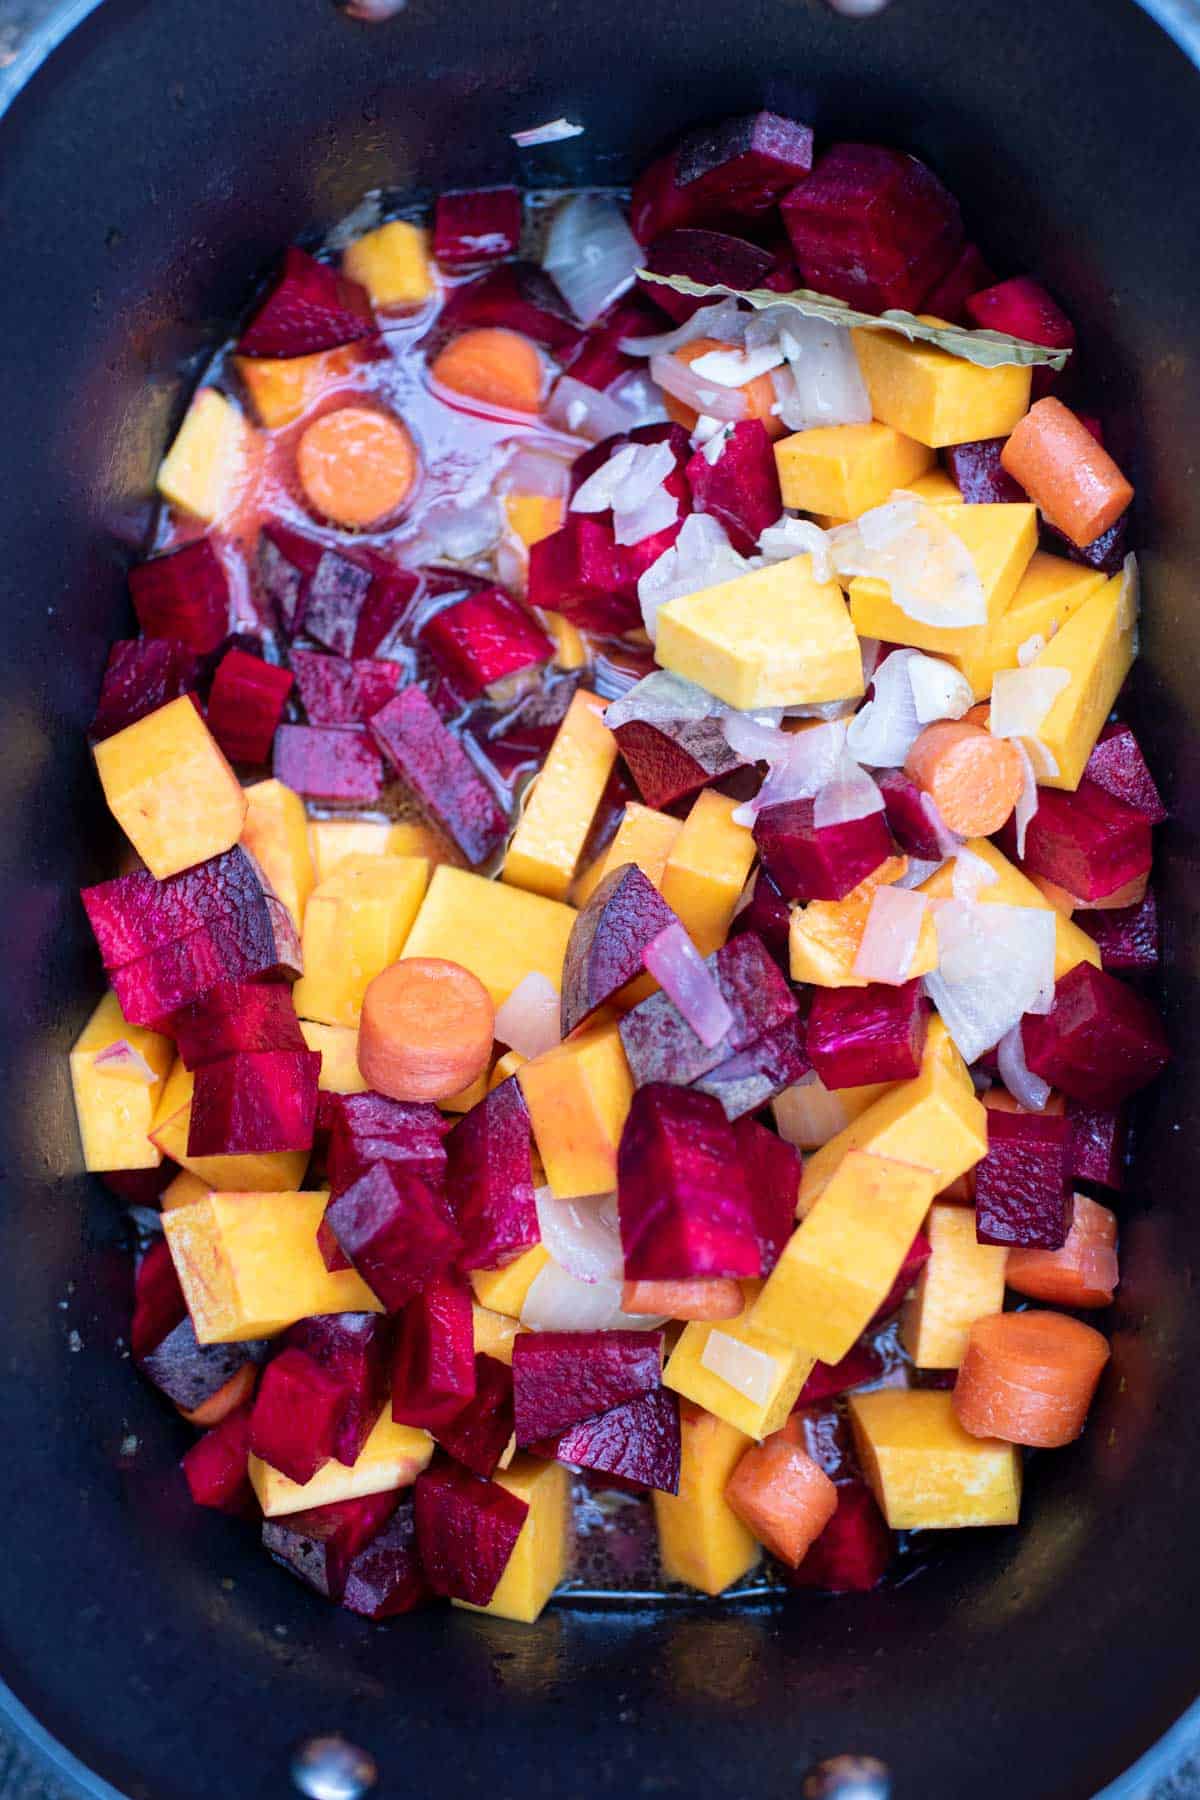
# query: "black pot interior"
{"type": "Point", "coordinates": [146, 177]}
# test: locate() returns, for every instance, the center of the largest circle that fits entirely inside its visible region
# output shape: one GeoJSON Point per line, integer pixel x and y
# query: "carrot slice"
{"type": "Point", "coordinates": [700, 1299]}
{"type": "Point", "coordinates": [356, 465]}
{"type": "Point", "coordinates": [759, 393]}
{"type": "Point", "coordinates": [227, 1399]}
{"type": "Point", "coordinates": [1066, 472]}
{"type": "Point", "coordinates": [782, 1497]}
{"type": "Point", "coordinates": [1083, 1273]}
{"type": "Point", "coordinates": [973, 778]}
{"type": "Point", "coordinates": [426, 1030]}
{"type": "Point", "coordinates": [494, 366]}
{"type": "Point", "coordinates": [1029, 1378]}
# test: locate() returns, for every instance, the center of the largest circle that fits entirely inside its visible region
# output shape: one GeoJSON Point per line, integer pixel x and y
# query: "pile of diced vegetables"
{"type": "Point", "coordinates": [616, 976]}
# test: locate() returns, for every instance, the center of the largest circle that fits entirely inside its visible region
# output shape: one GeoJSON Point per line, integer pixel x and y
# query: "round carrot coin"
{"type": "Point", "coordinates": [494, 366]}
{"type": "Point", "coordinates": [1029, 1378]}
{"type": "Point", "coordinates": [356, 465]}
{"type": "Point", "coordinates": [426, 1030]}
{"type": "Point", "coordinates": [760, 393]}
{"type": "Point", "coordinates": [973, 778]}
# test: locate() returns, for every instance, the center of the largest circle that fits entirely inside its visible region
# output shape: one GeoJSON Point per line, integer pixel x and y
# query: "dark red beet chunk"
{"type": "Point", "coordinates": [1087, 841]}
{"type": "Point", "coordinates": [1098, 1145]}
{"type": "Point", "coordinates": [433, 1372]}
{"type": "Point", "coordinates": [141, 675]}
{"type": "Point", "coordinates": [215, 1467]}
{"type": "Point", "coordinates": [438, 770]}
{"type": "Point", "coordinates": [285, 564]}
{"type": "Point", "coordinates": [255, 1102]}
{"type": "Point", "coordinates": [741, 489]}
{"type": "Point", "coordinates": [637, 1443]}
{"type": "Point", "coordinates": [808, 862]}
{"type": "Point", "coordinates": [562, 1377]}
{"type": "Point", "coordinates": [467, 1530]}
{"type": "Point", "coordinates": [1118, 766]}
{"type": "Point", "coordinates": [1022, 308]}
{"type": "Point", "coordinates": [684, 1205]}
{"type": "Point", "coordinates": [518, 296]}
{"type": "Point", "coordinates": [1106, 553]}
{"type": "Point", "coordinates": [604, 952]}
{"type": "Point", "coordinates": [1099, 1043]}
{"type": "Point", "coordinates": [659, 204]}
{"type": "Point", "coordinates": [861, 1035]}
{"type": "Point", "coordinates": [238, 1015]}
{"type": "Point", "coordinates": [325, 763]}
{"type": "Point", "coordinates": [336, 597]}
{"type": "Point", "coordinates": [489, 1171]}
{"type": "Point", "coordinates": [772, 1170]}
{"type": "Point", "coordinates": [308, 307]}
{"type": "Point", "coordinates": [580, 571]}
{"type": "Point", "coordinates": [743, 165]}
{"type": "Point", "coordinates": [907, 819]}
{"type": "Point", "coordinates": [749, 1078]}
{"type": "Point", "coordinates": [189, 1373]}
{"type": "Point", "coordinates": [296, 1415]}
{"type": "Point", "coordinates": [482, 639]}
{"type": "Point", "coordinates": [476, 225]}
{"type": "Point", "coordinates": [873, 226]}
{"type": "Point", "coordinates": [1127, 936]}
{"type": "Point", "coordinates": [709, 257]}
{"type": "Point", "coordinates": [257, 941]}
{"type": "Point", "coordinates": [1022, 1186]}
{"type": "Point", "coordinates": [672, 762]}
{"type": "Point", "coordinates": [601, 360]}
{"type": "Point", "coordinates": [915, 1258]}
{"type": "Point", "coordinates": [133, 914]}
{"type": "Point", "coordinates": [158, 1302]}
{"type": "Point", "coordinates": [320, 1545]}
{"type": "Point", "coordinates": [659, 1043]}
{"type": "Point", "coordinates": [354, 1349]}
{"type": "Point", "coordinates": [979, 476]}
{"type": "Point", "coordinates": [336, 691]}
{"type": "Point", "coordinates": [852, 1554]}
{"type": "Point", "coordinates": [369, 1128]}
{"type": "Point", "coordinates": [395, 1231]}
{"type": "Point", "coordinates": [965, 276]}
{"type": "Point", "coordinates": [766, 913]}
{"type": "Point", "coordinates": [246, 704]}
{"type": "Point", "coordinates": [478, 1436]}
{"type": "Point", "coordinates": [386, 1578]}
{"type": "Point", "coordinates": [183, 595]}
{"type": "Point", "coordinates": [828, 1381]}
{"type": "Point", "coordinates": [139, 1187]}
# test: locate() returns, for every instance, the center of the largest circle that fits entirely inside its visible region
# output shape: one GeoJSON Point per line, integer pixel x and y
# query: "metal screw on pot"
{"type": "Point", "coordinates": [329, 1768]}
{"type": "Point", "coordinates": [847, 1778]}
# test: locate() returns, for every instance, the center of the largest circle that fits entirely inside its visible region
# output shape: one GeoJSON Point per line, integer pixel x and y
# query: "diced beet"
{"type": "Point", "coordinates": [337, 595]}
{"type": "Point", "coordinates": [750, 1078]}
{"type": "Point", "coordinates": [659, 1043]}
{"type": "Point", "coordinates": [246, 704]}
{"type": "Point", "coordinates": [336, 691]}
{"type": "Point", "coordinates": [767, 914]}
{"type": "Point", "coordinates": [1127, 936]}
{"type": "Point", "coordinates": [285, 564]}
{"type": "Point", "coordinates": [979, 475]}
{"type": "Point", "coordinates": [857, 1036]}
{"type": "Point", "coordinates": [852, 1554]}
{"type": "Point", "coordinates": [369, 1128]}
{"type": "Point", "coordinates": [478, 1436]}
{"type": "Point", "coordinates": [297, 1411]}
{"type": "Point", "coordinates": [579, 571]}
{"type": "Point", "coordinates": [824, 1431]}
{"type": "Point", "coordinates": [708, 257]}
{"type": "Point", "coordinates": [907, 819]}
{"type": "Point", "coordinates": [141, 675]}
{"type": "Point", "coordinates": [215, 1467]}
{"type": "Point", "coordinates": [354, 1348]}
{"type": "Point", "coordinates": [189, 1373]}
{"type": "Point", "coordinates": [386, 1578]}
{"type": "Point", "coordinates": [562, 1377]}
{"type": "Point", "coordinates": [673, 764]}
{"type": "Point", "coordinates": [915, 1258]}
{"type": "Point", "coordinates": [1099, 1043]}
{"type": "Point", "coordinates": [332, 1254]}
{"type": "Point", "coordinates": [483, 638]}
{"type": "Point", "coordinates": [158, 1302]}
{"type": "Point", "coordinates": [659, 204]}
{"type": "Point", "coordinates": [252, 942]}
{"type": "Point", "coordinates": [811, 862]}
{"type": "Point", "coordinates": [388, 599]}
{"type": "Point", "coordinates": [1086, 841]}
{"type": "Point", "coordinates": [320, 1544]}
{"type": "Point", "coordinates": [394, 1229]}
{"type": "Point", "coordinates": [467, 1530]}
{"type": "Point", "coordinates": [476, 225]}
{"type": "Point", "coordinates": [1023, 1184]}
{"type": "Point", "coordinates": [237, 1015]}
{"type": "Point", "coordinates": [743, 165]}
{"type": "Point", "coordinates": [438, 770]}
{"type": "Point", "coordinates": [604, 952]}
{"type": "Point", "coordinates": [965, 276]}
{"type": "Point", "coordinates": [601, 361]}
{"type": "Point", "coordinates": [1106, 553]}
{"type": "Point", "coordinates": [518, 296]}
{"type": "Point", "coordinates": [682, 1196]}
{"type": "Point", "coordinates": [637, 1444]}
{"type": "Point", "coordinates": [1118, 766]}
{"type": "Point", "coordinates": [828, 1381]}
{"type": "Point", "coordinates": [433, 1371]}
{"type": "Point", "coordinates": [873, 226]}
{"type": "Point", "coordinates": [1099, 1143]}
{"type": "Point", "coordinates": [666, 432]}
{"type": "Point", "coordinates": [772, 1171]}
{"type": "Point", "coordinates": [139, 1187]}
{"type": "Point", "coordinates": [328, 763]}
{"type": "Point", "coordinates": [741, 489]}
{"type": "Point", "coordinates": [183, 596]}
{"type": "Point", "coordinates": [1022, 308]}
{"type": "Point", "coordinates": [489, 1173]}
{"type": "Point", "coordinates": [308, 307]}
{"type": "Point", "coordinates": [255, 1102]}
{"type": "Point", "coordinates": [133, 914]}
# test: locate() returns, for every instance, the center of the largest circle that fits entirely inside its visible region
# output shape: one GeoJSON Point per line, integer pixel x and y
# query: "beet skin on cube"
{"type": "Point", "coordinates": [1022, 1186]}
{"type": "Point", "coordinates": [681, 1190]}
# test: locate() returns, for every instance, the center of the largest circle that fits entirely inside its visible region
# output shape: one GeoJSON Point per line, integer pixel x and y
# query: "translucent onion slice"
{"type": "Point", "coordinates": [928, 569]}
{"type": "Point", "coordinates": [528, 1021]}
{"type": "Point", "coordinates": [809, 1114]}
{"type": "Point", "coordinates": [827, 385]}
{"type": "Point", "coordinates": [755, 741]}
{"type": "Point", "coordinates": [682, 383]}
{"type": "Point", "coordinates": [889, 942]}
{"type": "Point", "coordinates": [939, 690]}
{"type": "Point", "coordinates": [653, 514]}
{"type": "Point", "coordinates": [121, 1059]}
{"type": "Point", "coordinates": [1027, 1089]}
{"type": "Point", "coordinates": [681, 972]}
{"type": "Point", "coordinates": [752, 1373]}
{"type": "Point", "coordinates": [532, 469]}
{"type": "Point", "coordinates": [812, 761]}
{"type": "Point", "coordinates": [700, 557]}
{"type": "Point", "coordinates": [582, 1235]}
{"type": "Point", "coordinates": [918, 872]}
{"type": "Point", "coordinates": [995, 963]}
{"type": "Point", "coordinates": [798, 537]}
{"type": "Point", "coordinates": [1021, 699]}
{"type": "Point", "coordinates": [849, 795]}
{"type": "Point", "coordinates": [723, 322]}
{"type": "Point", "coordinates": [584, 412]}
{"type": "Point", "coordinates": [591, 254]}
{"type": "Point", "coordinates": [1027, 799]}
{"type": "Point", "coordinates": [734, 368]}
{"type": "Point", "coordinates": [885, 728]}
{"type": "Point", "coordinates": [557, 1302]}
{"type": "Point", "coordinates": [970, 874]}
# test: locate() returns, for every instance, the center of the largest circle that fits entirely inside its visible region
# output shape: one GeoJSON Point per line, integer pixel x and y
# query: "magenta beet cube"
{"type": "Point", "coordinates": [743, 165]}
{"type": "Point", "coordinates": [1022, 308]}
{"type": "Point", "coordinates": [873, 226]}
{"type": "Point", "coordinates": [215, 1467]}
{"type": "Point", "coordinates": [765, 912]}
{"type": "Point", "coordinates": [158, 1302]}
{"type": "Point", "coordinates": [355, 1349]}
{"type": "Point", "coordinates": [907, 819]}
{"type": "Point", "coordinates": [479, 1435]}
{"type": "Point", "coordinates": [321, 1544]}
{"type": "Point", "coordinates": [659, 204]}
{"type": "Point", "coordinates": [433, 1370]}
{"type": "Point", "coordinates": [258, 941]}
{"type": "Point", "coordinates": [246, 704]}
{"type": "Point", "coordinates": [852, 1554]}
{"type": "Point", "coordinates": [857, 1036]}
{"type": "Point", "coordinates": [1022, 1186]}
{"type": "Point", "coordinates": [708, 257]}
{"type": "Point", "coordinates": [604, 952]}
{"type": "Point", "coordinates": [395, 1231]}
{"type": "Point", "coordinates": [489, 1174]}
{"type": "Point", "coordinates": [1106, 553]}
{"type": "Point", "coordinates": [483, 638]}
{"type": "Point", "coordinates": [336, 691]}
{"type": "Point", "coordinates": [296, 1415]}
{"type": "Point", "coordinates": [255, 1102]}
{"type": "Point", "coordinates": [308, 307]}
{"type": "Point", "coordinates": [669, 765]}
{"type": "Point", "coordinates": [601, 360]}
{"type": "Point", "coordinates": [638, 1443]}
{"type": "Point", "coordinates": [369, 1128]}
{"type": "Point", "coordinates": [285, 563]}
{"type": "Point", "coordinates": [579, 571]}
{"type": "Point", "coordinates": [133, 914]}
{"type": "Point", "coordinates": [1118, 766]}
{"type": "Point", "coordinates": [467, 1529]}
{"type": "Point", "coordinates": [748, 1079]}
{"type": "Point", "coordinates": [238, 1015]}
{"type": "Point", "coordinates": [183, 595]}
{"type": "Point", "coordinates": [811, 862]}
{"type": "Point", "coordinates": [684, 1205]}
{"type": "Point", "coordinates": [980, 476]}
{"type": "Point", "coordinates": [772, 1171]}
{"type": "Point", "coordinates": [828, 1381]}
{"type": "Point", "coordinates": [947, 299]}
{"type": "Point", "coordinates": [741, 489]}
{"type": "Point", "coordinates": [661, 1046]}
{"type": "Point", "coordinates": [1099, 1043]}
{"type": "Point", "coordinates": [189, 1373]}
{"type": "Point", "coordinates": [1088, 842]}
{"type": "Point", "coordinates": [335, 600]}
{"type": "Point", "coordinates": [433, 763]}
{"type": "Point", "coordinates": [561, 1377]}
{"type": "Point", "coordinates": [476, 225]}
{"type": "Point", "coordinates": [518, 296]}
{"type": "Point", "coordinates": [1127, 936]}
{"type": "Point", "coordinates": [386, 1578]}
{"type": "Point", "coordinates": [139, 1187]}
{"type": "Point", "coordinates": [332, 1254]}
{"type": "Point", "coordinates": [328, 763]}
{"type": "Point", "coordinates": [915, 1258]}
{"type": "Point", "coordinates": [141, 675]}
{"type": "Point", "coordinates": [1098, 1147]}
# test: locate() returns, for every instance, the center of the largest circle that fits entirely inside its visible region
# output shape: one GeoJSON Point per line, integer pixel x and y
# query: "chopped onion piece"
{"type": "Point", "coordinates": [928, 569]}
{"type": "Point", "coordinates": [753, 740]}
{"type": "Point", "coordinates": [123, 1060]}
{"type": "Point", "coordinates": [585, 412]}
{"type": "Point", "coordinates": [454, 532]}
{"type": "Point", "coordinates": [663, 695]}
{"type": "Point", "coordinates": [995, 963]}
{"type": "Point", "coordinates": [948, 842]}
{"type": "Point", "coordinates": [714, 447]}
{"type": "Point", "coordinates": [1030, 650]}
{"type": "Point", "coordinates": [1021, 699]}
{"type": "Point", "coordinates": [681, 972]}
{"type": "Point", "coordinates": [1027, 799]}
{"type": "Point", "coordinates": [850, 794]}
{"type": "Point", "coordinates": [939, 690]}
{"type": "Point", "coordinates": [735, 368]}
{"type": "Point", "coordinates": [683, 384]}
{"type": "Point", "coordinates": [557, 1302]}
{"type": "Point", "coordinates": [885, 728]}
{"type": "Point", "coordinates": [869, 649]}
{"type": "Point", "coordinates": [813, 759]}
{"type": "Point", "coordinates": [723, 322]}
{"type": "Point", "coordinates": [659, 510]}
{"type": "Point", "coordinates": [556, 132]}
{"type": "Point", "coordinates": [528, 1021]}
{"type": "Point", "coordinates": [707, 429]}
{"type": "Point", "coordinates": [582, 1235]}
{"type": "Point", "coordinates": [591, 254]}
{"type": "Point", "coordinates": [598, 492]}
{"type": "Point", "coordinates": [533, 469]}
{"type": "Point", "coordinates": [630, 483]}
{"type": "Point", "coordinates": [809, 1114]}
{"type": "Point", "coordinates": [798, 537]}
{"type": "Point", "coordinates": [826, 385]}
{"type": "Point", "coordinates": [750, 1372]}
{"type": "Point", "coordinates": [889, 942]}
{"type": "Point", "coordinates": [970, 874]}
{"type": "Point", "coordinates": [1027, 1089]}
{"type": "Point", "coordinates": [918, 871]}
{"type": "Point", "coordinates": [700, 557]}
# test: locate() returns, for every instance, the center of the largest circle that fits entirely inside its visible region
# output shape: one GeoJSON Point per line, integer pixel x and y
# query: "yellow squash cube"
{"type": "Point", "coordinates": [1001, 541]}
{"type": "Point", "coordinates": [500, 933]}
{"type": "Point", "coordinates": [553, 828]}
{"type": "Point", "coordinates": [504, 1290]}
{"type": "Point", "coordinates": [579, 1095]}
{"type": "Point", "coordinates": [935, 397]}
{"type": "Point", "coordinates": [392, 1457]}
{"type": "Point", "coordinates": [824, 937]}
{"type": "Point", "coordinates": [701, 1540]}
{"type": "Point", "coordinates": [355, 925]}
{"type": "Point", "coordinates": [392, 263]}
{"type": "Point", "coordinates": [249, 1265]}
{"type": "Point", "coordinates": [504, 1066]}
{"type": "Point", "coordinates": [539, 1559]}
{"type": "Point", "coordinates": [844, 470]}
{"type": "Point", "coordinates": [338, 1047]}
{"type": "Point", "coordinates": [1048, 594]}
{"type": "Point", "coordinates": [775, 637]}
{"type": "Point", "coordinates": [769, 1374]}
{"type": "Point", "coordinates": [117, 1095]}
{"type": "Point", "coordinates": [206, 465]}
{"type": "Point", "coordinates": [467, 1097]}
{"type": "Point", "coordinates": [1096, 648]}
{"type": "Point", "coordinates": [334, 841]}
{"type": "Point", "coordinates": [170, 789]}
{"type": "Point", "coordinates": [267, 1172]}
{"type": "Point", "coordinates": [276, 835]}
{"type": "Point", "coordinates": [532, 517]}
{"type": "Point", "coordinates": [643, 837]}
{"type": "Point", "coordinates": [936, 489]}
{"type": "Point", "coordinates": [570, 646]}
{"type": "Point", "coordinates": [494, 1332]}
{"type": "Point", "coordinates": [282, 388]}
{"type": "Point", "coordinates": [185, 1188]}
{"type": "Point", "coordinates": [925, 1470]}
{"type": "Point", "coordinates": [706, 869]}
{"type": "Point", "coordinates": [1011, 888]}
{"type": "Point", "coordinates": [962, 1281]}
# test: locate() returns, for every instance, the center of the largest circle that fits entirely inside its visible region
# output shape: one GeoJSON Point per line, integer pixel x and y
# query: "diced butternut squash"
{"type": "Point", "coordinates": [1050, 591]}
{"type": "Point", "coordinates": [1011, 888]}
{"type": "Point", "coordinates": [937, 398]}
{"type": "Point", "coordinates": [769, 1374]}
{"type": "Point", "coordinates": [775, 637]}
{"type": "Point", "coordinates": [1096, 648]}
{"type": "Point", "coordinates": [706, 869]}
{"type": "Point", "coordinates": [205, 466]}
{"type": "Point", "coordinates": [532, 517]}
{"type": "Point", "coordinates": [249, 1265]}
{"type": "Point", "coordinates": [644, 837]}
{"type": "Point", "coordinates": [504, 1290]}
{"type": "Point", "coordinates": [824, 936]}
{"type": "Point", "coordinates": [118, 1072]}
{"type": "Point", "coordinates": [701, 1540]}
{"type": "Point", "coordinates": [925, 1470]}
{"type": "Point", "coordinates": [276, 835]}
{"type": "Point", "coordinates": [504, 1066]}
{"type": "Point", "coordinates": [570, 647]}
{"type": "Point", "coordinates": [962, 1281]}
{"type": "Point", "coordinates": [392, 263]}
{"type": "Point", "coordinates": [494, 1332]}
{"type": "Point", "coordinates": [1001, 541]}
{"type": "Point", "coordinates": [539, 1559]}
{"type": "Point", "coordinates": [500, 933]}
{"type": "Point", "coordinates": [356, 924]}
{"type": "Point", "coordinates": [268, 1172]}
{"type": "Point", "coordinates": [185, 1188]}
{"type": "Point", "coordinates": [338, 1045]}
{"type": "Point", "coordinates": [844, 470]}
{"type": "Point", "coordinates": [333, 841]}
{"type": "Point", "coordinates": [579, 1095]}
{"type": "Point", "coordinates": [467, 1097]}
{"type": "Point", "coordinates": [936, 489]}
{"type": "Point", "coordinates": [282, 388]}
{"type": "Point", "coordinates": [392, 1457]}
{"type": "Point", "coordinates": [170, 789]}
{"type": "Point", "coordinates": [548, 842]}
